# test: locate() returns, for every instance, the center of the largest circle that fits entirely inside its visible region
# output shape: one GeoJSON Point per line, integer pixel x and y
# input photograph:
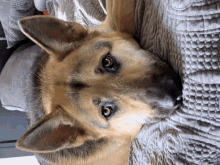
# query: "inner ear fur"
{"type": "Point", "coordinates": [120, 16]}
{"type": "Point", "coordinates": [55, 36]}
{"type": "Point", "coordinates": [54, 132]}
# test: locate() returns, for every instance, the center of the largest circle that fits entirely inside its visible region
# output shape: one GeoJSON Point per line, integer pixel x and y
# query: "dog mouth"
{"type": "Point", "coordinates": [162, 113]}
{"type": "Point", "coordinates": [165, 111]}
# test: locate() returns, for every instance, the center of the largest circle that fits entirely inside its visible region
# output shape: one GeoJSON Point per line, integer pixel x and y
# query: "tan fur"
{"type": "Point", "coordinates": [70, 82]}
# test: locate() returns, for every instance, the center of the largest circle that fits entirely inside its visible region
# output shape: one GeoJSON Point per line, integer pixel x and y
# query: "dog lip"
{"type": "Point", "coordinates": [153, 120]}
{"type": "Point", "coordinates": [173, 108]}
{"type": "Point", "coordinates": [166, 112]}
{"type": "Point", "coordinates": [156, 119]}
{"type": "Point", "coordinates": [176, 107]}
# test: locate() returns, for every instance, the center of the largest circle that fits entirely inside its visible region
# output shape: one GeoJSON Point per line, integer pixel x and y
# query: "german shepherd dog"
{"type": "Point", "coordinates": [94, 89]}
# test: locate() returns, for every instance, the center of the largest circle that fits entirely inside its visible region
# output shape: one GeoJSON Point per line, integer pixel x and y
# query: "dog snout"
{"type": "Point", "coordinates": [166, 91]}
{"type": "Point", "coordinates": [162, 99]}
{"type": "Point", "coordinates": [172, 91]}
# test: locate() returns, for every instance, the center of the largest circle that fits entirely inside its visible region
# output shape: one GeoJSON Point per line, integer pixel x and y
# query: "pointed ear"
{"type": "Point", "coordinates": [53, 35]}
{"type": "Point", "coordinates": [54, 132]}
{"type": "Point", "coordinates": [120, 15]}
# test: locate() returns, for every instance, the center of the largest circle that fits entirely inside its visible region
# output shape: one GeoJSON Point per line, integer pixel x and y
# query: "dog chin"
{"type": "Point", "coordinates": [155, 120]}
{"type": "Point", "coordinates": [162, 114]}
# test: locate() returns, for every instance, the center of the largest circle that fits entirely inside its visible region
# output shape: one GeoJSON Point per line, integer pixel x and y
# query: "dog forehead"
{"type": "Point", "coordinates": [96, 45]}
{"type": "Point", "coordinates": [97, 40]}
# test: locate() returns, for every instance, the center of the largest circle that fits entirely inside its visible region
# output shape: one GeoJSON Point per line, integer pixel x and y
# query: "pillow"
{"type": "Point", "coordinates": [87, 13]}
{"type": "Point", "coordinates": [10, 12]}
{"type": "Point", "coordinates": [16, 75]}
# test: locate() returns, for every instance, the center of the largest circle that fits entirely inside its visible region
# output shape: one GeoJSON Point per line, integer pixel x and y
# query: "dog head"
{"type": "Point", "coordinates": [97, 83]}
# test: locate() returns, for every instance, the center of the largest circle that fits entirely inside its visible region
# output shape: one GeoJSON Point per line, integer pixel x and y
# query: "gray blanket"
{"type": "Point", "coordinates": [186, 34]}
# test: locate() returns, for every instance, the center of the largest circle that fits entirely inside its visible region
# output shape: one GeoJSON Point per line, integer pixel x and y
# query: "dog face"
{"type": "Point", "coordinates": [96, 84]}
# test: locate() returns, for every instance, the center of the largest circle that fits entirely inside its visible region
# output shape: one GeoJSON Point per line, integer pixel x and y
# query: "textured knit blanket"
{"type": "Point", "coordinates": [186, 34]}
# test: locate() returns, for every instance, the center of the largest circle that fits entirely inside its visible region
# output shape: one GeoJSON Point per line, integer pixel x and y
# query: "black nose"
{"type": "Point", "coordinates": [178, 101]}
{"type": "Point", "coordinates": [166, 92]}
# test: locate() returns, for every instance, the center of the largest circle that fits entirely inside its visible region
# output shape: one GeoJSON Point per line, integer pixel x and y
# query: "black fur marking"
{"type": "Point", "coordinates": [77, 85]}
{"type": "Point", "coordinates": [103, 44]}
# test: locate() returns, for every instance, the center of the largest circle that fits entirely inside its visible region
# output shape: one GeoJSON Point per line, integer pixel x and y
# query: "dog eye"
{"type": "Point", "coordinates": [109, 63]}
{"type": "Point", "coordinates": [108, 110]}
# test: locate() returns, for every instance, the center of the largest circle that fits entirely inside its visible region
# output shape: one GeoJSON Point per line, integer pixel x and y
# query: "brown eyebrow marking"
{"type": "Point", "coordinates": [103, 44]}
{"type": "Point", "coordinates": [100, 125]}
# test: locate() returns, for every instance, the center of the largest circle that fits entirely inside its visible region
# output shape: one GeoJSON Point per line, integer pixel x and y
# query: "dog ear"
{"type": "Point", "coordinates": [54, 132]}
{"type": "Point", "coordinates": [53, 35]}
{"type": "Point", "coordinates": [120, 15]}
